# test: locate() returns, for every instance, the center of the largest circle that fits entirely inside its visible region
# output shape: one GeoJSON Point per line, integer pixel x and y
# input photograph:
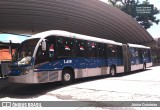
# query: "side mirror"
{"type": "Point", "coordinates": [44, 45]}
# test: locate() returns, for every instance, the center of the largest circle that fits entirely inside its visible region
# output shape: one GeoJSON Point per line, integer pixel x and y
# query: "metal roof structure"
{"type": "Point", "coordinates": [88, 17]}
{"type": "Point", "coordinates": [5, 45]}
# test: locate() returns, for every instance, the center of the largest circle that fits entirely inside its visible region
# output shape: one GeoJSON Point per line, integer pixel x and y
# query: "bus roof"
{"type": "Point", "coordinates": [138, 46]}
{"type": "Point", "coordinates": [44, 34]}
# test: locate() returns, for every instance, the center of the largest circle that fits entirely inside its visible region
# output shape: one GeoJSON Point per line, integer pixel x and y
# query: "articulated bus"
{"type": "Point", "coordinates": [63, 56]}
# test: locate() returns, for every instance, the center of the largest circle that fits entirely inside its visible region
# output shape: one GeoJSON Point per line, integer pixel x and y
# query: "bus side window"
{"type": "Point", "coordinates": [112, 52]}
{"type": "Point", "coordinates": [41, 55]}
{"type": "Point", "coordinates": [51, 47]}
{"type": "Point", "coordinates": [92, 49]}
{"type": "Point", "coordinates": [145, 53]}
{"type": "Point", "coordinates": [51, 51]}
{"type": "Point", "coordinates": [149, 55]}
{"type": "Point", "coordinates": [66, 47]}
{"type": "Point", "coordinates": [80, 48]}
{"type": "Point", "coordinates": [102, 50]}
{"type": "Point", "coordinates": [132, 53]}
{"type": "Point", "coordinates": [136, 53]}
{"type": "Point", "coordinates": [119, 52]}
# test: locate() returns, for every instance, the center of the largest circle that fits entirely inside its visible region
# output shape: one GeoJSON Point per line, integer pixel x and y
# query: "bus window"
{"type": "Point", "coordinates": [112, 52]}
{"type": "Point", "coordinates": [51, 47]}
{"type": "Point", "coordinates": [134, 52]}
{"type": "Point", "coordinates": [41, 56]}
{"type": "Point", "coordinates": [65, 47]}
{"type": "Point", "coordinates": [102, 50]}
{"type": "Point", "coordinates": [50, 52]}
{"type": "Point", "coordinates": [80, 48]}
{"type": "Point", "coordinates": [149, 55]}
{"type": "Point", "coordinates": [92, 49]}
{"type": "Point", "coordinates": [119, 55]}
{"type": "Point", "coordinates": [145, 52]}
{"type": "Point", "coordinates": [119, 52]}
{"type": "Point", "coordinates": [140, 55]}
{"type": "Point", "coordinates": [135, 58]}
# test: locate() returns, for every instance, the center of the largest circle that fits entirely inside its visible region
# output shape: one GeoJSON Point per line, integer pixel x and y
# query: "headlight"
{"type": "Point", "coordinates": [27, 71]}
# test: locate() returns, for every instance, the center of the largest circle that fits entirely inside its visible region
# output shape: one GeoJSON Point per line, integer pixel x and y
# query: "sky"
{"type": "Point", "coordinates": [13, 38]}
{"type": "Point", "coordinates": [154, 30]}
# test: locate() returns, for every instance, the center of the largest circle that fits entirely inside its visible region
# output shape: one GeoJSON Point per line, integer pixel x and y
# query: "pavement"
{"type": "Point", "coordinates": [136, 86]}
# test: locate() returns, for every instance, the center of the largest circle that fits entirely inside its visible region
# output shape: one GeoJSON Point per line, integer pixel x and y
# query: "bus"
{"type": "Point", "coordinates": [58, 55]}
{"type": "Point", "coordinates": [136, 57]}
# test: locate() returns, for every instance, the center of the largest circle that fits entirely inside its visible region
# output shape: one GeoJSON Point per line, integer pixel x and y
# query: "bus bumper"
{"type": "Point", "coordinates": [27, 78]}
{"type": "Point", "coordinates": [37, 77]}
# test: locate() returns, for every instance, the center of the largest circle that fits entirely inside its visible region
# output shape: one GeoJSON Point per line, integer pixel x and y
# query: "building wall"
{"type": "Point", "coordinates": [5, 54]}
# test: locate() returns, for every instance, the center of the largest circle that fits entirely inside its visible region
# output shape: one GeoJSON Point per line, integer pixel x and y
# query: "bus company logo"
{"type": "Point", "coordinates": [67, 61]}
{"type": "Point", "coordinates": [6, 104]}
{"type": "Point", "coordinates": [21, 104]}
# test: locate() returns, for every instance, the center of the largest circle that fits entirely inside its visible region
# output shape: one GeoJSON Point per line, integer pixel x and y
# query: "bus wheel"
{"type": "Point", "coordinates": [112, 71]}
{"type": "Point", "coordinates": [144, 66]}
{"type": "Point", "coordinates": [67, 76]}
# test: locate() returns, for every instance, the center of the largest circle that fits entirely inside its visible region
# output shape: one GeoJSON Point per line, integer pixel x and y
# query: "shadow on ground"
{"type": "Point", "coordinates": [25, 91]}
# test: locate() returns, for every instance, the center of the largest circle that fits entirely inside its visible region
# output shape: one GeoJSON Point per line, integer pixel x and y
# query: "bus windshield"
{"type": "Point", "coordinates": [25, 51]}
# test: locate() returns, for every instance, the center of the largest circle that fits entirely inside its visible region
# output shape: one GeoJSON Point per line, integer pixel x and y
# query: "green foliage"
{"type": "Point", "coordinates": [128, 7]}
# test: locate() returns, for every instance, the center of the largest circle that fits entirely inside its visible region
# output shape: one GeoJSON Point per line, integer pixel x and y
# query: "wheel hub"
{"type": "Point", "coordinates": [112, 71]}
{"type": "Point", "coordinates": [67, 77]}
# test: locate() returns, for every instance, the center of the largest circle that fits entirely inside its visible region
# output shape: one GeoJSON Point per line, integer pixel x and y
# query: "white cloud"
{"type": "Point", "coordinates": [14, 39]}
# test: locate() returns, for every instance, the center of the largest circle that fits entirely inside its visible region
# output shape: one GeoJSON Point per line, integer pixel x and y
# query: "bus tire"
{"type": "Point", "coordinates": [67, 76]}
{"type": "Point", "coordinates": [112, 71]}
{"type": "Point", "coordinates": [144, 66]}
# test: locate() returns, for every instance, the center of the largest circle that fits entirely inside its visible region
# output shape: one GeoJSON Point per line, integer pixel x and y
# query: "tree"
{"type": "Point", "coordinates": [128, 7]}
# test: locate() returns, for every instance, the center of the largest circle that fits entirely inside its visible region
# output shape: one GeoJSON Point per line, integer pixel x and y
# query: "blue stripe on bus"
{"type": "Point", "coordinates": [81, 63]}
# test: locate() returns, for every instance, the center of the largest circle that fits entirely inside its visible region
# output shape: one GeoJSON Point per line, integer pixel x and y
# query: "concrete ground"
{"type": "Point", "coordinates": [135, 86]}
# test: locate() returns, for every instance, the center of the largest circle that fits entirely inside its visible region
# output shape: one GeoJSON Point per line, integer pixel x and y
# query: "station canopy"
{"type": "Point", "coordinates": [88, 17]}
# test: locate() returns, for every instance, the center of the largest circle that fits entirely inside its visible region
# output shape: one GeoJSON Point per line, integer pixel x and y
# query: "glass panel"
{"type": "Point", "coordinates": [65, 47]}
{"type": "Point", "coordinates": [25, 51]}
{"type": "Point", "coordinates": [80, 48]}
{"type": "Point", "coordinates": [112, 52]}
{"type": "Point", "coordinates": [119, 52]}
{"type": "Point", "coordinates": [50, 53]}
{"type": "Point", "coordinates": [145, 53]}
{"type": "Point", "coordinates": [92, 49]}
{"type": "Point", "coordinates": [102, 50]}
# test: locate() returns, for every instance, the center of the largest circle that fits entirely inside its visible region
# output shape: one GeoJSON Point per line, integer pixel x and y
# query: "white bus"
{"type": "Point", "coordinates": [64, 56]}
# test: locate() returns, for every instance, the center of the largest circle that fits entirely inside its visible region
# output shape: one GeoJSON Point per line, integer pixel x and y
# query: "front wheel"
{"type": "Point", "coordinates": [67, 76]}
{"type": "Point", "coordinates": [112, 71]}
